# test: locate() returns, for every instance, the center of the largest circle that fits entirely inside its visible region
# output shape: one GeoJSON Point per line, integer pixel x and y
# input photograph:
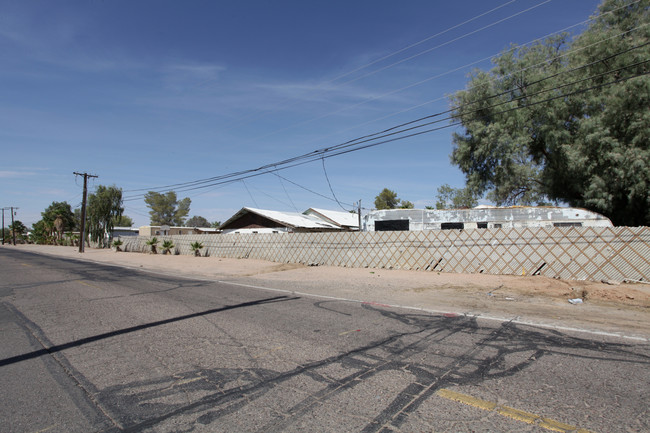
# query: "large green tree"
{"type": "Point", "coordinates": [197, 221]}
{"type": "Point", "coordinates": [43, 231]}
{"type": "Point", "coordinates": [387, 199]}
{"type": "Point", "coordinates": [455, 198]}
{"type": "Point", "coordinates": [104, 206]}
{"type": "Point", "coordinates": [565, 120]}
{"type": "Point", "coordinates": [59, 210]}
{"type": "Point", "coordinates": [19, 228]}
{"type": "Point", "coordinates": [122, 221]}
{"type": "Point", "coordinates": [166, 209]}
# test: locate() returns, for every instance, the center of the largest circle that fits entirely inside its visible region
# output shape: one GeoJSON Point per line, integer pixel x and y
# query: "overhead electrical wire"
{"type": "Point", "coordinates": [167, 187]}
{"type": "Point", "coordinates": [305, 188]}
{"type": "Point", "coordinates": [505, 92]}
{"type": "Point", "coordinates": [360, 68]}
{"type": "Point", "coordinates": [599, 86]}
{"type": "Point", "coordinates": [249, 192]}
{"type": "Point", "coordinates": [269, 196]}
{"type": "Point", "coordinates": [448, 42]}
{"type": "Point", "coordinates": [397, 63]}
{"type": "Point", "coordinates": [422, 104]}
{"type": "Point", "coordinates": [330, 184]}
{"type": "Point", "coordinates": [329, 151]}
{"type": "Point", "coordinates": [410, 86]}
{"type": "Point", "coordinates": [317, 154]}
{"type": "Point", "coordinates": [287, 194]}
{"type": "Point", "coordinates": [373, 142]}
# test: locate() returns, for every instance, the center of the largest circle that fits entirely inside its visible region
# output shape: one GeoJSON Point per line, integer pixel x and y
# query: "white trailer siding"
{"type": "Point", "coordinates": [482, 217]}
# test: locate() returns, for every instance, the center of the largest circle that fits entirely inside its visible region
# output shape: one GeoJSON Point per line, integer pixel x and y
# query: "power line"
{"type": "Point", "coordinates": [392, 92]}
{"type": "Point", "coordinates": [448, 72]}
{"type": "Point", "coordinates": [198, 182]}
{"type": "Point", "coordinates": [272, 197]}
{"type": "Point", "coordinates": [355, 143]}
{"type": "Point", "coordinates": [249, 193]}
{"type": "Point", "coordinates": [395, 64]}
{"type": "Point", "coordinates": [360, 68]}
{"type": "Point", "coordinates": [330, 184]}
{"type": "Point", "coordinates": [305, 188]}
{"type": "Point", "coordinates": [287, 193]}
{"type": "Point", "coordinates": [450, 41]}
{"type": "Point", "coordinates": [373, 142]}
{"type": "Point", "coordinates": [505, 92]}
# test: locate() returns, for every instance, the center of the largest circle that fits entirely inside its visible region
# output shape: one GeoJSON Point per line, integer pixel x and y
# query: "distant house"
{"type": "Point", "coordinates": [125, 231]}
{"type": "Point", "coordinates": [482, 217]}
{"type": "Point", "coordinates": [251, 220]}
{"type": "Point", "coordinates": [173, 231]}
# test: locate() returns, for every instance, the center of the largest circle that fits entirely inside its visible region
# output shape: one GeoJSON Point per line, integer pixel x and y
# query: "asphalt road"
{"type": "Point", "coordinates": [90, 348]}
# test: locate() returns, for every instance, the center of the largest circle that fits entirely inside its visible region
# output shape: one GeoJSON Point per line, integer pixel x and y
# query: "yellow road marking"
{"type": "Point", "coordinates": [186, 381]}
{"type": "Point", "coordinates": [349, 332]}
{"type": "Point", "coordinates": [89, 285]}
{"type": "Point", "coordinates": [516, 414]}
{"type": "Point", "coordinates": [519, 415]}
{"type": "Point", "coordinates": [467, 399]}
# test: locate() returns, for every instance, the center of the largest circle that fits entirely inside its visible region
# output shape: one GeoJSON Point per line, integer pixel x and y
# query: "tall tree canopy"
{"type": "Point", "coordinates": [43, 230]}
{"type": "Point", "coordinates": [565, 121]}
{"type": "Point", "coordinates": [122, 221]}
{"type": "Point", "coordinates": [197, 221]}
{"type": "Point", "coordinates": [387, 199]}
{"type": "Point", "coordinates": [166, 209]}
{"type": "Point", "coordinates": [104, 206]}
{"type": "Point", "coordinates": [59, 209]}
{"type": "Point", "coordinates": [455, 198]}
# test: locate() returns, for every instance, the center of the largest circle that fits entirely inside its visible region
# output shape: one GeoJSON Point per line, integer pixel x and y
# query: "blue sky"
{"type": "Point", "coordinates": [145, 94]}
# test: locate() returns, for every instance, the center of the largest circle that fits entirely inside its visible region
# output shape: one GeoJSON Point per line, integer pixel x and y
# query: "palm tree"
{"type": "Point", "coordinates": [196, 247]}
{"type": "Point", "coordinates": [117, 243]}
{"type": "Point", "coordinates": [167, 246]}
{"type": "Point", "coordinates": [152, 243]}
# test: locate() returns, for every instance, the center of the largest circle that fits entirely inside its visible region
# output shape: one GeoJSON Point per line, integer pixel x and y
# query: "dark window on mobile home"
{"type": "Point", "coordinates": [391, 225]}
{"type": "Point", "coordinates": [567, 224]}
{"type": "Point", "coordinates": [452, 226]}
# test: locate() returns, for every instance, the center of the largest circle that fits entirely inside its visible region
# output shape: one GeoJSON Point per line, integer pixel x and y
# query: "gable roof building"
{"type": "Point", "coordinates": [252, 220]}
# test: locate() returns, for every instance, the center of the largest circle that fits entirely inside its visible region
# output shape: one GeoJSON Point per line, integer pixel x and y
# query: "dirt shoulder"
{"type": "Point", "coordinates": [611, 307]}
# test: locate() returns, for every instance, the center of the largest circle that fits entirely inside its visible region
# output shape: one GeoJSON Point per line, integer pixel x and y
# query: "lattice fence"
{"type": "Point", "coordinates": [616, 253]}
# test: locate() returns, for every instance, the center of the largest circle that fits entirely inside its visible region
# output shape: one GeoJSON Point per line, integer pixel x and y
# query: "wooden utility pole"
{"type": "Point", "coordinates": [359, 210]}
{"type": "Point", "coordinates": [13, 226]}
{"type": "Point", "coordinates": [82, 229]}
{"type": "Point", "coordinates": [3, 224]}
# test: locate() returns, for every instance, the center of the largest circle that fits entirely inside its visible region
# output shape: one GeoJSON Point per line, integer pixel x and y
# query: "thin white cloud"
{"type": "Point", "coordinates": [325, 93]}
{"type": "Point", "coordinates": [183, 77]}
{"type": "Point", "coordinates": [7, 174]}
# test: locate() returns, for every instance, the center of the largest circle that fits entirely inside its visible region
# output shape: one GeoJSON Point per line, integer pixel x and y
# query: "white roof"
{"type": "Point", "coordinates": [291, 219]}
{"type": "Point", "coordinates": [343, 219]}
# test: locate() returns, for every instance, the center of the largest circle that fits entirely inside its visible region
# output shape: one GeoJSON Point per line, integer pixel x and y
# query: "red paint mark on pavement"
{"type": "Point", "coordinates": [376, 304]}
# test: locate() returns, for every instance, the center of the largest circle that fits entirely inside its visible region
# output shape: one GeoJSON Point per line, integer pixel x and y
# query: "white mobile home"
{"type": "Point", "coordinates": [482, 217]}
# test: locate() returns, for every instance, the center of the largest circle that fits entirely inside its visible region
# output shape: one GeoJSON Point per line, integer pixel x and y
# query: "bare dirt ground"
{"type": "Point", "coordinates": [612, 307]}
